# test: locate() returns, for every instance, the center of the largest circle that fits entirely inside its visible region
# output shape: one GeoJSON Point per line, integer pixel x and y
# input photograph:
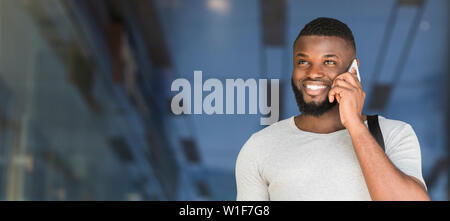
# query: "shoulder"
{"type": "Point", "coordinates": [390, 126]}
{"type": "Point", "coordinates": [275, 130]}
{"type": "Point", "coordinates": [264, 138]}
{"type": "Point", "coordinates": [396, 132]}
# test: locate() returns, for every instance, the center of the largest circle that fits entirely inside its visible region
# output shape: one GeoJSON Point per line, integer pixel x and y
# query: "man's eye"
{"type": "Point", "coordinates": [330, 62]}
{"type": "Point", "coordinates": [302, 62]}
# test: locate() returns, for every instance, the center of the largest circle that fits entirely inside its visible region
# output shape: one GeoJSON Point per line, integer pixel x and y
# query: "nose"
{"type": "Point", "coordinates": [315, 72]}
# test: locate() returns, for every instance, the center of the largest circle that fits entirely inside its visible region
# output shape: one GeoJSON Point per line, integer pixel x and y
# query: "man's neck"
{"type": "Point", "coordinates": [326, 123]}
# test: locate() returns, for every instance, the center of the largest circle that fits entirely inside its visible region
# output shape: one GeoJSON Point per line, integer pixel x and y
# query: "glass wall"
{"type": "Point", "coordinates": [86, 89]}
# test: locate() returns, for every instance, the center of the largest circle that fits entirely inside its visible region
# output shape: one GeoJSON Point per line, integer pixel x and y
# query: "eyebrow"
{"type": "Point", "coordinates": [301, 55]}
{"type": "Point", "coordinates": [330, 56]}
{"type": "Point", "coordinates": [325, 56]}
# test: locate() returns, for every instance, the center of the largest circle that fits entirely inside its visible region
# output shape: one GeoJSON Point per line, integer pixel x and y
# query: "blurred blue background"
{"type": "Point", "coordinates": [85, 89]}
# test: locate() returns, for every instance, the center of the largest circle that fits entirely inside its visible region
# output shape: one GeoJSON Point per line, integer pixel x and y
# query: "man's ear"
{"type": "Point", "coordinates": [357, 62]}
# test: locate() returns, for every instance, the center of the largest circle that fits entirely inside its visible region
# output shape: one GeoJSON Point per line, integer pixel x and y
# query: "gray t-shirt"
{"type": "Point", "coordinates": [282, 162]}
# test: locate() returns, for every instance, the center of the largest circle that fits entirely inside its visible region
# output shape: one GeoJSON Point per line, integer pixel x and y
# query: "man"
{"type": "Point", "coordinates": [327, 152]}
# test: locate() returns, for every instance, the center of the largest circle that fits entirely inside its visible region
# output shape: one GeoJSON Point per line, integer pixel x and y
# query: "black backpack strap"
{"type": "Point", "coordinates": [374, 127]}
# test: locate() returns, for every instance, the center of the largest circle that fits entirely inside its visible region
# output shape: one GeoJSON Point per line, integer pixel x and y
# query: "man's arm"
{"type": "Point", "coordinates": [383, 179]}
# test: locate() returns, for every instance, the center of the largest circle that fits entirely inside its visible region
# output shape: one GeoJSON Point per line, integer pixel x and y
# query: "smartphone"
{"type": "Point", "coordinates": [355, 65]}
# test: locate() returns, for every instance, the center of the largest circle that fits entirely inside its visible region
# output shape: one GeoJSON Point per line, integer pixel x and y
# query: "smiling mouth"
{"type": "Point", "coordinates": [314, 89]}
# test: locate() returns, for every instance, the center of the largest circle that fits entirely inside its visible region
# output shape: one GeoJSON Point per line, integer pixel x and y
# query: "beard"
{"type": "Point", "coordinates": [311, 108]}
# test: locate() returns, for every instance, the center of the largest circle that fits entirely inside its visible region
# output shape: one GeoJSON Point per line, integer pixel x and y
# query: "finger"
{"type": "Point", "coordinates": [337, 97]}
{"type": "Point", "coordinates": [336, 90]}
{"type": "Point", "coordinates": [354, 73]}
{"type": "Point", "coordinates": [350, 78]}
{"type": "Point", "coordinates": [343, 83]}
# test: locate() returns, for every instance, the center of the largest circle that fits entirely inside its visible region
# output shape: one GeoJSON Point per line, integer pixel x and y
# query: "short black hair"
{"type": "Point", "coordinates": [328, 27]}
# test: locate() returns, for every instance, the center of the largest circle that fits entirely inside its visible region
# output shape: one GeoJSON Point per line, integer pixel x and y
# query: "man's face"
{"type": "Point", "coordinates": [318, 60]}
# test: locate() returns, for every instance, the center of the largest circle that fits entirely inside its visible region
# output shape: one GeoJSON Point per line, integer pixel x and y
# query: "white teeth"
{"type": "Point", "coordinates": [315, 87]}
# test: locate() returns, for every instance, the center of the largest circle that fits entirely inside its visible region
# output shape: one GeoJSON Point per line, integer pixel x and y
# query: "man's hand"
{"type": "Point", "coordinates": [348, 92]}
